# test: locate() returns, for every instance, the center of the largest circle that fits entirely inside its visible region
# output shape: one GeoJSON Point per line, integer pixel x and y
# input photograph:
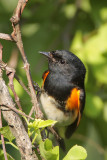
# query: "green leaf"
{"type": "Point", "coordinates": [48, 144]}
{"type": "Point", "coordinates": [33, 128]}
{"type": "Point", "coordinates": [2, 156]}
{"type": "Point", "coordinates": [34, 138]}
{"type": "Point", "coordinates": [46, 123]}
{"type": "Point", "coordinates": [38, 123]}
{"type": "Point", "coordinates": [12, 144]}
{"type": "Point", "coordinates": [76, 153]}
{"type": "Point", "coordinates": [5, 131]}
{"type": "Point", "coordinates": [47, 151]}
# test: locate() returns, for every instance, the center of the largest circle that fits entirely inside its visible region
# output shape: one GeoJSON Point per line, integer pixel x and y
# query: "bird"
{"type": "Point", "coordinates": [62, 96]}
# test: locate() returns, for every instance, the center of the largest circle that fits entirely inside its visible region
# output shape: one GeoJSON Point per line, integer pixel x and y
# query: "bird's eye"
{"type": "Point", "coordinates": [62, 61]}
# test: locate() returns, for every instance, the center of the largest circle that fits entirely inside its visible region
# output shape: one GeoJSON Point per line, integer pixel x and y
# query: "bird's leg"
{"type": "Point", "coordinates": [36, 87]}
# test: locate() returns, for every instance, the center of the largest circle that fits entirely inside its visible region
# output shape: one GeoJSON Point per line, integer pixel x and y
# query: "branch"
{"type": "Point", "coordinates": [16, 125]}
{"type": "Point", "coordinates": [1, 47]}
{"type": "Point", "coordinates": [12, 118]}
{"type": "Point", "coordinates": [22, 84]}
{"type": "Point", "coordinates": [12, 70]}
{"type": "Point", "coordinates": [22, 139]}
{"type": "Point", "coordinates": [16, 35]}
{"type": "Point", "coordinates": [6, 37]}
{"type": "Point", "coordinates": [2, 137]}
{"type": "Point", "coordinates": [16, 111]}
{"type": "Point", "coordinates": [11, 85]}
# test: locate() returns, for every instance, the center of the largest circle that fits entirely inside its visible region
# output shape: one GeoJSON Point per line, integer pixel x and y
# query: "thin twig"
{"type": "Point", "coordinates": [6, 37]}
{"type": "Point", "coordinates": [11, 85]}
{"type": "Point", "coordinates": [13, 63]}
{"type": "Point", "coordinates": [9, 69]}
{"type": "Point", "coordinates": [31, 112]}
{"type": "Point", "coordinates": [10, 73]}
{"type": "Point", "coordinates": [54, 133]}
{"type": "Point", "coordinates": [16, 35]}
{"type": "Point", "coordinates": [22, 84]}
{"type": "Point", "coordinates": [6, 67]}
{"type": "Point", "coordinates": [11, 117]}
{"type": "Point", "coordinates": [16, 111]}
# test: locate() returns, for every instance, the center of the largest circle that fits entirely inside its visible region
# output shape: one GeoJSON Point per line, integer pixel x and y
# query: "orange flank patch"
{"type": "Point", "coordinates": [73, 101]}
{"type": "Point", "coordinates": [45, 76]}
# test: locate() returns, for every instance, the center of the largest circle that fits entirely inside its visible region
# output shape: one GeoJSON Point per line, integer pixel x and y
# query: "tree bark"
{"type": "Point", "coordinates": [15, 123]}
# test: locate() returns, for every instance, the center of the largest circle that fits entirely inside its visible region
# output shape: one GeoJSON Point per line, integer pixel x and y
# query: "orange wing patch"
{"type": "Point", "coordinates": [73, 101]}
{"type": "Point", "coordinates": [45, 74]}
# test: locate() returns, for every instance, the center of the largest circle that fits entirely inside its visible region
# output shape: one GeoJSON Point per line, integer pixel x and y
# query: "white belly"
{"type": "Point", "coordinates": [48, 106]}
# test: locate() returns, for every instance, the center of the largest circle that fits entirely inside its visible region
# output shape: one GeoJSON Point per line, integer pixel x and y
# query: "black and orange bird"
{"type": "Point", "coordinates": [62, 95]}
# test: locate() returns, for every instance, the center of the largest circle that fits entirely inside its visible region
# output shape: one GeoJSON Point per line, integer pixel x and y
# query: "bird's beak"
{"type": "Point", "coordinates": [47, 54]}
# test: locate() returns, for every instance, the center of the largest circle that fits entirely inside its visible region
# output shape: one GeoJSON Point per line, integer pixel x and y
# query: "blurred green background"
{"type": "Point", "coordinates": [79, 26]}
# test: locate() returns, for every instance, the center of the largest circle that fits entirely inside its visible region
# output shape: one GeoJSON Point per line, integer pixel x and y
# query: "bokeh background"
{"type": "Point", "coordinates": [79, 26]}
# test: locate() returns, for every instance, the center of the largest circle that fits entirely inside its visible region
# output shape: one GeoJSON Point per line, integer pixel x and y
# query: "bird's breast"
{"type": "Point", "coordinates": [52, 110]}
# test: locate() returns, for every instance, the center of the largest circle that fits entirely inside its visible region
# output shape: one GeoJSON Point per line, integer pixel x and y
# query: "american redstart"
{"type": "Point", "coordinates": [62, 96]}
